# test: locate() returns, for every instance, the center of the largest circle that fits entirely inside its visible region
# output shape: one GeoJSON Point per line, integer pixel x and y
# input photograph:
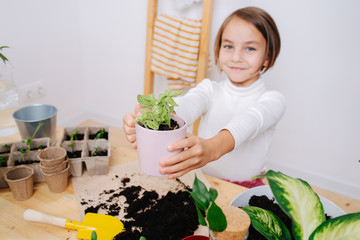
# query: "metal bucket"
{"type": "Point", "coordinates": [28, 118]}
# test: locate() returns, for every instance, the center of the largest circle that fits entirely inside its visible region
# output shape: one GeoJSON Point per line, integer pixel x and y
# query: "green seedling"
{"type": "Point", "coordinates": [94, 153]}
{"type": "Point", "coordinates": [2, 160]}
{"type": "Point", "coordinates": [6, 148]}
{"type": "Point", "coordinates": [22, 151]}
{"type": "Point", "coordinates": [72, 138]}
{"type": "Point", "coordinates": [157, 111]}
{"type": "Point", "coordinates": [100, 134]}
{"type": "Point", "coordinates": [3, 58]}
{"type": "Point", "coordinates": [28, 140]}
{"type": "Point", "coordinates": [297, 199]}
{"type": "Point", "coordinates": [209, 213]}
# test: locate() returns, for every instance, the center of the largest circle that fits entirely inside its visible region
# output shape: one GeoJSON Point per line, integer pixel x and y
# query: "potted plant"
{"type": "Point", "coordinates": [297, 199]}
{"type": "Point", "coordinates": [97, 154]}
{"type": "Point", "coordinates": [156, 127]}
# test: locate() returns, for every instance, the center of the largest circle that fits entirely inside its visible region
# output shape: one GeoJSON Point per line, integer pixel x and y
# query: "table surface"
{"type": "Point", "coordinates": [12, 225]}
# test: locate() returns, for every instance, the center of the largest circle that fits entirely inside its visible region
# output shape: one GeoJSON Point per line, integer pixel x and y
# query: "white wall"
{"type": "Point", "coordinates": [80, 47]}
{"type": "Point", "coordinates": [44, 42]}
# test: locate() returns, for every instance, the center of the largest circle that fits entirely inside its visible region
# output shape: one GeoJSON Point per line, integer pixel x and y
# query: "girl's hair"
{"type": "Point", "coordinates": [266, 26]}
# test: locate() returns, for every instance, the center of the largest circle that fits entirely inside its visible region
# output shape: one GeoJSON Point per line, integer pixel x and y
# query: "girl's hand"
{"type": "Point", "coordinates": [129, 125]}
{"type": "Point", "coordinates": [198, 152]}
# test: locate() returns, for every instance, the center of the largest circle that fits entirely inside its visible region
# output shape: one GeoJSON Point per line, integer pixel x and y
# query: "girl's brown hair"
{"type": "Point", "coordinates": [266, 26]}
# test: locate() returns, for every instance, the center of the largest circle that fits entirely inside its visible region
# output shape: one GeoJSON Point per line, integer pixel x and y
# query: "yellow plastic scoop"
{"type": "Point", "coordinates": [106, 227]}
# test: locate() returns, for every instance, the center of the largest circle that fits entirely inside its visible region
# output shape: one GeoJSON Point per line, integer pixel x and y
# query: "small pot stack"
{"type": "Point", "coordinates": [55, 168]}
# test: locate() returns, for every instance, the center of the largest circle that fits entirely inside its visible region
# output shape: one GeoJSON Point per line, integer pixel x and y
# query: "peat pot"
{"type": "Point", "coordinates": [21, 182]}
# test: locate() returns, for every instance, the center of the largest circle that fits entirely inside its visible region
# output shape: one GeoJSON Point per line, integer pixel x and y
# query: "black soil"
{"type": "Point", "coordinates": [172, 216]}
{"type": "Point", "coordinates": [105, 135]}
{"type": "Point", "coordinates": [164, 127]}
{"type": "Point", "coordinates": [75, 154]}
{"type": "Point", "coordinates": [173, 124]}
{"type": "Point", "coordinates": [79, 136]}
{"type": "Point", "coordinates": [269, 204]}
{"type": "Point", "coordinates": [19, 162]}
{"type": "Point", "coordinates": [98, 153]}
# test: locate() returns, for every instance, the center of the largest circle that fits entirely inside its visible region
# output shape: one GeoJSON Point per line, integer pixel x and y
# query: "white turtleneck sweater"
{"type": "Point", "coordinates": [249, 113]}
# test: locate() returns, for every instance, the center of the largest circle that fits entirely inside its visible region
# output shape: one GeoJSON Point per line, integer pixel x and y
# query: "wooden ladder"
{"type": "Point", "coordinates": [203, 47]}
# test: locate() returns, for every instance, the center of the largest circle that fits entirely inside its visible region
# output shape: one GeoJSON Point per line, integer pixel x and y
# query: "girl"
{"type": "Point", "coordinates": [238, 114]}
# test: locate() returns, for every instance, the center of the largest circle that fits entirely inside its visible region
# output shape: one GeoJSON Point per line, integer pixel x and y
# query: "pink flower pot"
{"type": "Point", "coordinates": [152, 145]}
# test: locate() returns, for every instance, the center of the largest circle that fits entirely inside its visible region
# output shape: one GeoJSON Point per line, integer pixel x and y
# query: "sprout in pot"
{"type": "Point", "coordinates": [73, 153]}
{"type": "Point", "coordinates": [102, 133]}
{"type": "Point", "coordinates": [297, 199]}
{"type": "Point", "coordinates": [157, 113]}
{"type": "Point", "coordinates": [98, 152]}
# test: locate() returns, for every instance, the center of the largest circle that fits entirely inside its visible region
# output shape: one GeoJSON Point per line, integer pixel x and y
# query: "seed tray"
{"type": "Point", "coordinates": [15, 157]}
{"type": "Point", "coordinates": [94, 164]}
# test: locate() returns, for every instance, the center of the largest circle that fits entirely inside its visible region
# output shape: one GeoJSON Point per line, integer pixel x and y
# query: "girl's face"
{"type": "Point", "coordinates": [242, 52]}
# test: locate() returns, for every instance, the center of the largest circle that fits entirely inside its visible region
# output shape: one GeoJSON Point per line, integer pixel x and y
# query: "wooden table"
{"type": "Point", "coordinates": [12, 225]}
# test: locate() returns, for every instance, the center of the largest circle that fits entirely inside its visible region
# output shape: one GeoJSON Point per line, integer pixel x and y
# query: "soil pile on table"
{"type": "Point", "coordinates": [146, 213]}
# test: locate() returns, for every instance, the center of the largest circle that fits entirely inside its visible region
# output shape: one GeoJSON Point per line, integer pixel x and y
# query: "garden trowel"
{"type": "Point", "coordinates": [106, 227]}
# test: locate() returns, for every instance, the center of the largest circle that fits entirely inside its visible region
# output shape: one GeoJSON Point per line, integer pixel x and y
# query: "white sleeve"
{"type": "Point", "coordinates": [195, 102]}
{"type": "Point", "coordinates": [260, 116]}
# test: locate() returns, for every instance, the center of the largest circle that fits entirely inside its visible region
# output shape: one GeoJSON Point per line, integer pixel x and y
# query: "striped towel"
{"type": "Point", "coordinates": [175, 50]}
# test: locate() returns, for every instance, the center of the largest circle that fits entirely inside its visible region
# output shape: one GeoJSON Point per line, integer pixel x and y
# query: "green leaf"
{"type": "Point", "coordinates": [267, 223]}
{"type": "Point", "coordinates": [146, 101]}
{"type": "Point", "coordinates": [168, 92]}
{"type": "Point", "coordinates": [145, 111]}
{"type": "Point", "coordinates": [346, 227]}
{"type": "Point", "coordinates": [152, 125]}
{"type": "Point", "coordinates": [3, 58]}
{"type": "Point", "coordinates": [170, 101]}
{"type": "Point", "coordinates": [200, 216]}
{"type": "Point", "coordinates": [213, 194]}
{"type": "Point", "coordinates": [201, 201]}
{"type": "Point", "coordinates": [199, 186]}
{"type": "Point", "coordinates": [157, 110]}
{"type": "Point", "coordinates": [216, 218]}
{"type": "Point", "coordinates": [93, 235]}
{"type": "Point", "coordinates": [175, 94]}
{"type": "Point", "coordinates": [297, 199]}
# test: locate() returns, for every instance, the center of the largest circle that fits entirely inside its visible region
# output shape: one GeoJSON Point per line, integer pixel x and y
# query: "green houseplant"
{"type": "Point", "coordinates": [297, 199]}
{"type": "Point", "coordinates": [157, 112]}
{"type": "Point", "coordinates": [209, 213]}
{"type": "Point", "coordinates": [156, 127]}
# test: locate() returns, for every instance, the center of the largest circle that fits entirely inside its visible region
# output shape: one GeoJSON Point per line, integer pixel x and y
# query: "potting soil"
{"type": "Point", "coordinates": [153, 207]}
